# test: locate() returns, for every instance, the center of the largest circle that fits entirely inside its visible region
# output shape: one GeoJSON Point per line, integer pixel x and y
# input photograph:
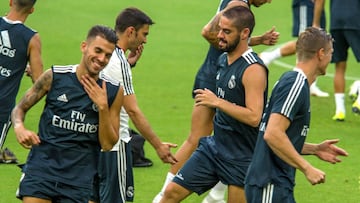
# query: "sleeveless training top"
{"type": "Point", "coordinates": [68, 130]}
{"type": "Point", "coordinates": [14, 43]}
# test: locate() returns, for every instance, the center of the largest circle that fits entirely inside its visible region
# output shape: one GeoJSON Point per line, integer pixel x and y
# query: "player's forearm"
{"type": "Point", "coordinates": [144, 127]}
{"type": "Point", "coordinates": [17, 118]}
{"type": "Point", "coordinates": [283, 148]}
{"type": "Point", "coordinates": [318, 8]}
{"type": "Point", "coordinates": [309, 149]}
{"type": "Point", "coordinates": [255, 40]}
{"type": "Point", "coordinates": [108, 136]}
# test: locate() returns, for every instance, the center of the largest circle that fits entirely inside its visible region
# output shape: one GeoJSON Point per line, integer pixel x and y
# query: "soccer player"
{"type": "Point", "coordinates": [80, 117]}
{"type": "Point", "coordinates": [345, 29]}
{"type": "Point", "coordinates": [305, 13]}
{"type": "Point", "coordinates": [115, 175]}
{"type": "Point", "coordinates": [285, 124]}
{"type": "Point", "coordinates": [19, 45]}
{"type": "Point", "coordinates": [241, 92]}
{"type": "Point", "coordinates": [202, 116]}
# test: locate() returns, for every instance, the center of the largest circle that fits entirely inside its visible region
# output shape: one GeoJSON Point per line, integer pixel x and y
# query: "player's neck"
{"type": "Point", "coordinates": [14, 16]}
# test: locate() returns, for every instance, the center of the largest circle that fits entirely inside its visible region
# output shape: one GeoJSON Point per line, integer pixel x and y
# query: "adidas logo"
{"type": "Point", "coordinates": [5, 44]}
{"type": "Point", "coordinates": [62, 98]}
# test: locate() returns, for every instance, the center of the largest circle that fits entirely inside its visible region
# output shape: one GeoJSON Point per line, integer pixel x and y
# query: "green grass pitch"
{"type": "Point", "coordinates": [163, 82]}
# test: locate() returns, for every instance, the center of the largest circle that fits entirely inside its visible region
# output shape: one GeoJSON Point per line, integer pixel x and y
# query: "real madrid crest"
{"type": "Point", "coordinates": [232, 82]}
{"type": "Point", "coordinates": [95, 108]}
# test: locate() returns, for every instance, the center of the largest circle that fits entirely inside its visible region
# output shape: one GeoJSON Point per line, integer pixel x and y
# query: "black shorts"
{"type": "Point", "coordinates": [34, 186]}
{"type": "Point", "coordinates": [343, 40]}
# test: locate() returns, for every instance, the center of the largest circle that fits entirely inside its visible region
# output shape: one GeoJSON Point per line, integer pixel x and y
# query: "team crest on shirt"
{"type": "Point", "coordinates": [95, 108]}
{"type": "Point", "coordinates": [232, 82]}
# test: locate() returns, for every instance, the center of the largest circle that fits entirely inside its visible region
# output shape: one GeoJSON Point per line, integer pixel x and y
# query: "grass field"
{"type": "Point", "coordinates": [163, 82]}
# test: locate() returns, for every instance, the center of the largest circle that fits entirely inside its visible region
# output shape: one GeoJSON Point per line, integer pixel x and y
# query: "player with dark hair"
{"type": "Point", "coordinates": [80, 117]}
{"type": "Point", "coordinates": [241, 92]}
{"type": "Point", "coordinates": [19, 45]}
{"type": "Point", "coordinates": [115, 174]}
{"type": "Point", "coordinates": [202, 116]}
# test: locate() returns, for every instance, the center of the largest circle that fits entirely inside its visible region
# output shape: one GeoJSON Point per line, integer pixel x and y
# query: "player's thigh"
{"type": "Point", "coordinates": [236, 194]}
{"type": "Point", "coordinates": [198, 173]}
{"type": "Point", "coordinates": [353, 37]}
{"type": "Point", "coordinates": [340, 46]}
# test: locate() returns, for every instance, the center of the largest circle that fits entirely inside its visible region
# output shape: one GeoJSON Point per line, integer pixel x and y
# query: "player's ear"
{"type": "Point", "coordinates": [83, 46]}
{"type": "Point", "coordinates": [130, 30]}
{"type": "Point", "coordinates": [245, 33]}
{"type": "Point", "coordinates": [32, 10]}
{"type": "Point", "coordinates": [321, 53]}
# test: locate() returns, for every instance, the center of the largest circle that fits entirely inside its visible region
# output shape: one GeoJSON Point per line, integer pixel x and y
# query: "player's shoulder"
{"type": "Point", "coordinates": [64, 68]}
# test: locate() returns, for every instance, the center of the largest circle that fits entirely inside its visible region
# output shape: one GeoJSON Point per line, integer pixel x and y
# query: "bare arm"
{"type": "Point", "coordinates": [35, 60]}
{"type": "Point", "coordinates": [318, 8]}
{"type": "Point", "coordinates": [211, 29]}
{"type": "Point", "coordinates": [277, 139]}
{"type": "Point", "coordinates": [142, 124]}
{"type": "Point", "coordinates": [326, 151]}
{"type": "Point", "coordinates": [108, 133]}
{"type": "Point", "coordinates": [25, 137]}
{"type": "Point", "coordinates": [270, 37]}
{"type": "Point", "coordinates": [254, 89]}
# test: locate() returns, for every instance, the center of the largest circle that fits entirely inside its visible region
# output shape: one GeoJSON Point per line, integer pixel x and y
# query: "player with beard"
{"type": "Point", "coordinates": [241, 92]}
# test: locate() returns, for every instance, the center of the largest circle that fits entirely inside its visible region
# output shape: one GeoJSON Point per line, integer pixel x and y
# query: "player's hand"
{"type": "Point", "coordinates": [165, 154]}
{"type": "Point", "coordinates": [205, 97]}
{"type": "Point", "coordinates": [328, 151]}
{"type": "Point", "coordinates": [314, 175]}
{"type": "Point", "coordinates": [26, 138]}
{"type": "Point", "coordinates": [28, 71]}
{"type": "Point", "coordinates": [270, 37]}
{"type": "Point", "coordinates": [134, 56]}
{"type": "Point", "coordinates": [96, 93]}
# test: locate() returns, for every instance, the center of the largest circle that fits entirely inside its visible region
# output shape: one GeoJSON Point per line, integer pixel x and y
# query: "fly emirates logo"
{"type": "Point", "coordinates": [77, 123]}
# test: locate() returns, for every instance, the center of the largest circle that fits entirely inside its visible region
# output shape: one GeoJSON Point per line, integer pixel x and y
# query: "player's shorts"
{"type": "Point", "coordinates": [4, 127]}
{"type": "Point", "coordinates": [343, 39]}
{"type": "Point", "coordinates": [269, 194]}
{"type": "Point", "coordinates": [204, 170]}
{"type": "Point", "coordinates": [35, 186]}
{"type": "Point", "coordinates": [303, 17]}
{"type": "Point", "coordinates": [115, 181]}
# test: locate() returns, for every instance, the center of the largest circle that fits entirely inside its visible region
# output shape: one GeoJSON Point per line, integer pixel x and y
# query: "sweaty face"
{"type": "Point", "coordinates": [228, 35]}
{"type": "Point", "coordinates": [96, 54]}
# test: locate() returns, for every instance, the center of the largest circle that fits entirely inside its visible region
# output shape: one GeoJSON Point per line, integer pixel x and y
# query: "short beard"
{"type": "Point", "coordinates": [231, 47]}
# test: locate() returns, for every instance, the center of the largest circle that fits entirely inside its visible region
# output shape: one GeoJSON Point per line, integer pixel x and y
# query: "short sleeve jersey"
{"type": "Point", "coordinates": [291, 98]}
{"type": "Point", "coordinates": [14, 43]}
{"type": "Point", "coordinates": [68, 130]}
{"type": "Point", "coordinates": [119, 69]}
{"type": "Point", "coordinates": [234, 139]}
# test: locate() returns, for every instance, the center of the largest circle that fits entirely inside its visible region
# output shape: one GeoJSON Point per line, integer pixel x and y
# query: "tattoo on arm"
{"type": "Point", "coordinates": [40, 88]}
